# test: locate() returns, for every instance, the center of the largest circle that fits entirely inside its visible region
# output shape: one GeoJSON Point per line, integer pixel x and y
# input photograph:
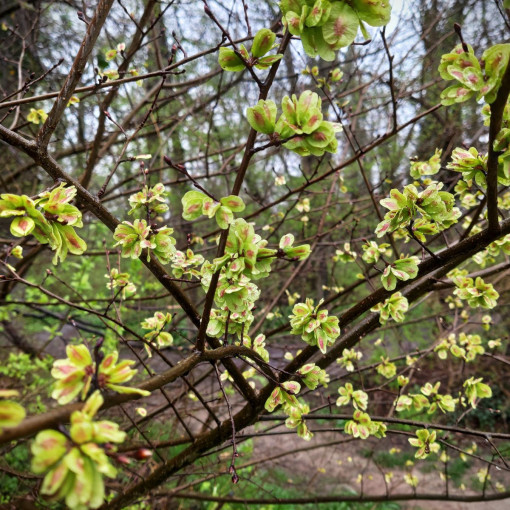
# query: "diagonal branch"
{"type": "Point", "coordinates": [45, 160]}
{"type": "Point", "coordinates": [74, 76]}
{"type": "Point", "coordinates": [249, 414]}
{"type": "Point", "coordinates": [96, 153]}
{"type": "Point", "coordinates": [61, 414]}
{"type": "Point", "coordinates": [241, 172]}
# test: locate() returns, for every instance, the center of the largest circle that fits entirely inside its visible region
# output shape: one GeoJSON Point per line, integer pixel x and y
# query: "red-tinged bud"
{"type": "Point", "coordinates": [142, 454]}
{"type": "Point", "coordinates": [81, 17]}
{"type": "Point", "coordinates": [123, 459]}
{"type": "Point", "coordinates": [235, 478]}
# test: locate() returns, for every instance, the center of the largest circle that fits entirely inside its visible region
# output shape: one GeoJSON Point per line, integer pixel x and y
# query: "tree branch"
{"type": "Point", "coordinates": [497, 110]}
{"type": "Point", "coordinates": [74, 76]}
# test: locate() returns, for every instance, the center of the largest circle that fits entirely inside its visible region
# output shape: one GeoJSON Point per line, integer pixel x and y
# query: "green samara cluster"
{"type": "Point", "coordinates": [301, 126]}
{"type": "Point", "coordinates": [326, 26]}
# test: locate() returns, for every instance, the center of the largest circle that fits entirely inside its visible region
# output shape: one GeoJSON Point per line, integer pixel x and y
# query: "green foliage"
{"type": "Point", "coordinates": [296, 420]}
{"type": "Point", "coordinates": [362, 426]}
{"type": "Point", "coordinates": [258, 344]}
{"type": "Point", "coordinates": [263, 42]}
{"type": "Point", "coordinates": [237, 322]}
{"type": "Point", "coordinates": [137, 236]}
{"type": "Point", "coordinates": [186, 263]}
{"type": "Point", "coordinates": [291, 252]}
{"type": "Point", "coordinates": [349, 358]}
{"type": "Point", "coordinates": [78, 372]}
{"type": "Point", "coordinates": [446, 403]}
{"type": "Point", "coordinates": [300, 127]}
{"type": "Point", "coordinates": [74, 464]}
{"type": "Point", "coordinates": [11, 413]}
{"type": "Point", "coordinates": [436, 207]}
{"type": "Point", "coordinates": [133, 237]}
{"type": "Point", "coordinates": [196, 203]}
{"type": "Point", "coordinates": [467, 347]}
{"type": "Point", "coordinates": [463, 66]}
{"type": "Point", "coordinates": [234, 295]}
{"type": "Point", "coordinates": [326, 26]}
{"type": "Point", "coordinates": [430, 167]}
{"type": "Point", "coordinates": [50, 218]}
{"type": "Point", "coordinates": [31, 371]}
{"type": "Point", "coordinates": [346, 255]}
{"type": "Point", "coordinates": [156, 335]}
{"type": "Point", "coordinates": [386, 368]}
{"type": "Point", "coordinates": [17, 459]}
{"type": "Point", "coordinates": [246, 257]}
{"type": "Point", "coordinates": [475, 389]}
{"type": "Point", "coordinates": [312, 376]}
{"type": "Point", "coordinates": [395, 307]}
{"type": "Point", "coordinates": [246, 253]}
{"type": "Point", "coordinates": [283, 395]}
{"type": "Point", "coordinates": [477, 293]}
{"type": "Point", "coordinates": [75, 460]}
{"type": "Point", "coordinates": [402, 269]}
{"type": "Point", "coordinates": [471, 164]}
{"type": "Point", "coordinates": [315, 326]}
{"type": "Point", "coordinates": [358, 398]}
{"type": "Point", "coordinates": [120, 281]}
{"type": "Point", "coordinates": [37, 116]}
{"type": "Point", "coordinates": [149, 198]}
{"type": "Point", "coordinates": [372, 251]}
{"type": "Point", "coordinates": [413, 401]}
{"type": "Point", "coordinates": [262, 117]}
{"type": "Point", "coordinates": [425, 441]}
{"type": "Point", "coordinates": [237, 60]}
